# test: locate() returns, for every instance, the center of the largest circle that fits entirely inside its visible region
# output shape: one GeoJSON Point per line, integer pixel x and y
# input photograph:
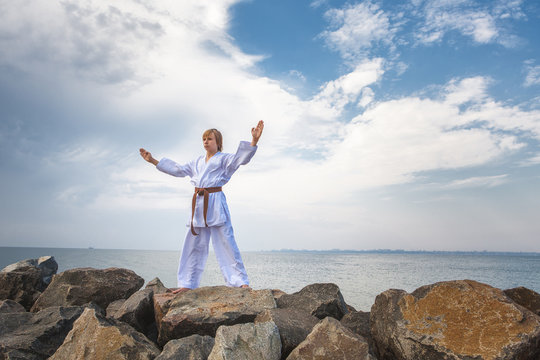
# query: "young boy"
{"type": "Point", "coordinates": [210, 217]}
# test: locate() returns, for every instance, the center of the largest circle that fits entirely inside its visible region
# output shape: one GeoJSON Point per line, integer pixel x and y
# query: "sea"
{"type": "Point", "coordinates": [360, 275]}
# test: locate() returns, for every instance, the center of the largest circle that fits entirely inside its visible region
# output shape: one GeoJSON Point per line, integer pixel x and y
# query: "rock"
{"type": "Point", "coordinates": [10, 306]}
{"type": "Point", "coordinates": [156, 285]}
{"type": "Point", "coordinates": [527, 298]}
{"type": "Point", "coordinates": [294, 326]}
{"type": "Point", "coordinates": [320, 300]}
{"type": "Point", "coordinates": [247, 341]}
{"type": "Point", "coordinates": [201, 311]}
{"type": "Point", "coordinates": [83, 285]}
{"type": "Point", "coordinates": [35, 335]}
{"type": "Point", "coordinates": [194, 347]}
{"type": "Point", "coordinates": [96, 337]}
{"type": "Point", "coordinates": [22, 284]}
{"type": "Point", "coordinates": [48, 267]}
{"type": "Point", "coordinates": [358, 323]}
{"type": "Point", "coordinates": [114, 307]}
{"type": "Point", "coordinates": [453, 320]}
{"type": "Point", "coordinates": [137, 310]}
{"type": "Point", "coordinates": [278, 293]}
{"type": "Point", "coordinates": [331, 340]}
{"type": "Point", "coordinates": [46, 264]}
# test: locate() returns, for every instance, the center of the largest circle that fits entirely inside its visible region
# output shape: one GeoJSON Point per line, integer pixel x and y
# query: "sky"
{"type": "Point", "coordinates": [388, 125]}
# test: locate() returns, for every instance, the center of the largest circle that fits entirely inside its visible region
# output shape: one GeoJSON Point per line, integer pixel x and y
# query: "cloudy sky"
{"type": "Point", "coordinates": [400, 125]}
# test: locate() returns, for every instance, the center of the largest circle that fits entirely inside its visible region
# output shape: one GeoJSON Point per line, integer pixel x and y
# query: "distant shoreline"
{"type": "Point", "coordinates": [330, 251]}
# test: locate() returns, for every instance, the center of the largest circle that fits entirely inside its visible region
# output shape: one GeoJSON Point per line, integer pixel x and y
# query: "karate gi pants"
{"type": "Point", "coordinates": [195, 253]}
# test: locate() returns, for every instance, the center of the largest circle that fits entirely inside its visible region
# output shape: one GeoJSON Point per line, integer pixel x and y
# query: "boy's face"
{"type": "Point", "coordinates": [209, 143]}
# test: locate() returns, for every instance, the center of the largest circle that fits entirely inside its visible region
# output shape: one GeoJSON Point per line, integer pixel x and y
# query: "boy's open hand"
{"type": "Point", "coordinates": [146, 155]}
{"type": "Point", "coordinates": [256, 132]}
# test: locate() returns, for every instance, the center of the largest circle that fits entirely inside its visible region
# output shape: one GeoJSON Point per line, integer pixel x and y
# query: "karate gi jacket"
{"type": "Point", "coordinates": [216, 172]}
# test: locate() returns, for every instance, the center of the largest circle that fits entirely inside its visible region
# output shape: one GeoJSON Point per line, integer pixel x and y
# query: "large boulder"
{"type": "Point", "coordinates": [527, 298]}
{"type": "Point", "coordinates": [24, 281]}
{"type": "Point", "coordinates": [320, 300]}
{"type": "Point", "coordinates": [27, 335]}
{"type": "Point", "coordinates": [358, 323]}
{"type": "Point", "coordinates": [201, 311]}
{"type": "Point", "coordinates": [293, 325]}
{"type": "Point", "coordinates": [194, 347]}
{"type": "Point", "coordinates": [10, 306]}
{"type": "Point", "coordinates": [138, 311]}
{"type": "Point", "coordinates": [157, 286]}
{"type": "Point", "coordinates": [83, 285]}
{"type": "Point", "coordinates": [46, 264]}
{"type": "Point", "coordinates": [453, 320]}
{"type": "Point", "coordinates": [95, 337]}
{"type": "Point", "coordinates": [331, 340]}
{"type": "Point", "coordinates": [247, 341]}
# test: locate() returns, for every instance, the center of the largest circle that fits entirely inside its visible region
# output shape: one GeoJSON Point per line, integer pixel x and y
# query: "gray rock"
{"type": "Point", "coordinates": [48, 267]}
{"type": "Point", "coordinates": [453, 320]}
{"type": "Point", "coordinates": [22, 284]}
{"type": "Point", "coordinates": [201, 311]}
{"type": "Point", "coordinates": [293, 325]}
{"type": "Point", "coordinates": [358, 323]}
{"type": "Point", "coordinates": [320, 300]}
{"type": "Point", "coordinates": [247, 341]}
{"type": "Point", "coordinates": [137, 310]}
{"type": "Point", "coordinates": [46, 264]}
{"type": "Point", "coordinates": [113, 307]}
{"type": "Point", "coordinates": [527, 298]}
{"type": "Point", "coordinates": [35, 335]}
{"type": "Point", "coordinates": [96, 337]}
{"type": "Point", "coordinates": [84, 285]}
{"type": "Point", "coordinates": [158, 287]}
{"type": "Point", "coordinates": [10, 306]}
{"type": "Point", "coordinates": [194, 347]}
{"type": "Point", "coordinates": [331, 340]}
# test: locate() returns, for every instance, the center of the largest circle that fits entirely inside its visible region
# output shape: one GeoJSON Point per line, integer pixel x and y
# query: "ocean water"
{"type": "Point", "coordinates": [360, 276]}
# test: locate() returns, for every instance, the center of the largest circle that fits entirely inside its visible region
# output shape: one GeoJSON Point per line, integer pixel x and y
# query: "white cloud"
{"type": "Point", "coordinates": [482, 24]}
{"type": "Point", "coordinates": [532, 161]}
{"type": "Point", "coordinates": [533, 74]}
{"type": "Point", "coordinates": [357, 28]}
{"type": "Point", "coordinates": [478, 181]}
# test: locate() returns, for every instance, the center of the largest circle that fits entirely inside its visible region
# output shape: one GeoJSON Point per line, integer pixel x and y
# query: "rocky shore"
{"type": "Point", "coordinates": [90, 313]}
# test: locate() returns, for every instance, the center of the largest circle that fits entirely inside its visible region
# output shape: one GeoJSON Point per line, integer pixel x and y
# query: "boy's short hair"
{"type": "Point", "coordinates": [217, 135]}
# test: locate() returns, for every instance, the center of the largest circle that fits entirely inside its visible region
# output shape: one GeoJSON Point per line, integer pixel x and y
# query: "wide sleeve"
{"type": "Point", "coordinates": [172, 168]}
{"type": "Point", "coordinates": [243, 155]}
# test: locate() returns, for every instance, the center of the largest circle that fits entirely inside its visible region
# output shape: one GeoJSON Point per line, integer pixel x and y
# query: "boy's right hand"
{"type": "Point", "coordinates": [146, 155]}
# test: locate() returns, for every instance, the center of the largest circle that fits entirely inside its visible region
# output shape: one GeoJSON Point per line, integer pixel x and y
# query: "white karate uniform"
{"type": "Point", "coordinates": [214, 173]}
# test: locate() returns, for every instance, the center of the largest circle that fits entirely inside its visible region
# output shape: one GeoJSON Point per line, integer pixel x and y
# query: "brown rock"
{"type": "Point", "coordinates": [10, 306]}
{"type": "Point", "coordinates": [95, 337]}
{"type": "Point", "coordinates": [113, 307]}
{"type": "Point", "coordinates": [527, 298]}
{"type": "Point", "coordinates": [84, 285]}
{"type": "Point", "coordinates": [331, 340]}
{"type": "Point", "coordinates": [453, 320]}
{"type": "Point", "coordinates": [320, 300]}
{"type": "Point", "coordinates": [27, 335]}
{"type": "Point", "coordinates": [247, 341]}
{"type": "Point", "coordinates": [358, 323]}
{"type": "Point", "coordinates": [201, 311]}
{"type": "Point", "coordinates": [157, 286]}
{"type": "Point", "coordinates": [294, 326]}
{"type": "Point", "coordinates": [22, 284]}
{"type": "Point", "coordinates": [137, 310]}
{"type": "Point", "coordinates": [194, 347]}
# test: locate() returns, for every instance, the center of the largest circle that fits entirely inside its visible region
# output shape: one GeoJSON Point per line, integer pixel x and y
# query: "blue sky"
{"type": "Point", "coordinates": [402, 125]}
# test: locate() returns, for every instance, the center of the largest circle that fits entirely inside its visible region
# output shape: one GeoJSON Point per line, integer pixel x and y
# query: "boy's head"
{"type": "Point", "coordinates": [217, 136]}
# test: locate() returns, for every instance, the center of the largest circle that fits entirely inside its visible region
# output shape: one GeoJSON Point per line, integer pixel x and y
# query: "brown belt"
{"type": "Point", "coordinates": [202, 192]}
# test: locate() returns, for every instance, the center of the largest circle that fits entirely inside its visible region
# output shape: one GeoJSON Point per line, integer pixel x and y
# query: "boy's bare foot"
{"type": "Point", "coordinates": [245, 286]}
{"type": "Point", "coordinates": [180, 290]}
